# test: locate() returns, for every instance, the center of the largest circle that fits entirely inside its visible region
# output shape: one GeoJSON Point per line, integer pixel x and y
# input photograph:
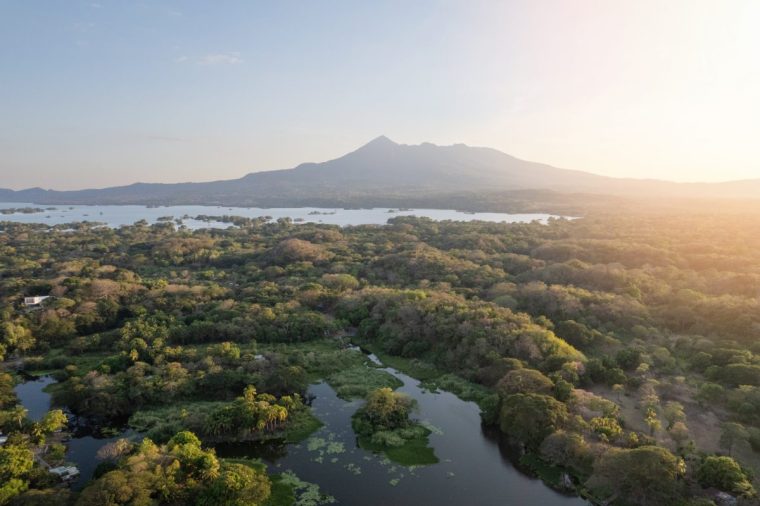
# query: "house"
{"type": "Point", "coordinates": [35, 301]}
{"type": "Point", "coordinates": [65, 473]}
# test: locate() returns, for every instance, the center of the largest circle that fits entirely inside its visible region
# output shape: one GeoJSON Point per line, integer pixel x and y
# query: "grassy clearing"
{"type": "Point", "coordinates": [460, 387]}
{"type": "Point", "coordinates": [161, 423]}
{"type": "Point", "coordinates": [301, 425]}
{"type": "Point", "coordinates": [57, 359]}
{"type": "Point", "coordinates": [413, 367]}
{"type": "Point", "coordinates": [283, 494]}
{"type": "Point", "coordinates": [358, 381]}
{"type": "Point", "coordinates": [413, 452]}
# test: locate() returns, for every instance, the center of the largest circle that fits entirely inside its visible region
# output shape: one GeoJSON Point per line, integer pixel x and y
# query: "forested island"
{"type": "Point", "coordinates": [615, 353]}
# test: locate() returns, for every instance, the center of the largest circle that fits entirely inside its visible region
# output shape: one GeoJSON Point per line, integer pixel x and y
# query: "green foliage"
{"type": "Point", "coordinates": [170, 326]}
{"type": "Point", "coordinates": [524, 381]}
{"type": "Point", "coordinates": [383, 424]}
{"type": "Point", "coordinates": [724, 473]}
{"type": "Point", "coordinates": [529, 418]}
{"type": "Point", "coordinates": [647, 475]}
{"type": "Point", "coordinates": [385, 410]}
{"type": "Point", "coordinates": [180, 472]}
{"type": "Point", "coordinates": [359, 381]}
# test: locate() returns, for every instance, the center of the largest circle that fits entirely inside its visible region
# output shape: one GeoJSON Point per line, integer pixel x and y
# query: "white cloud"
{"type": "Point", "coordinates": [220, 59]}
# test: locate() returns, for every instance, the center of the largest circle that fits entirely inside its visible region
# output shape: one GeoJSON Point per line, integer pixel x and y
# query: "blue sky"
{"type": "Point", "coordinates": [96, 93]}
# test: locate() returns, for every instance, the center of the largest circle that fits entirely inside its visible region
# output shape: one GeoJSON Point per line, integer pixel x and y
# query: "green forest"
{"type": "Point", "coordinates": [614, 352]}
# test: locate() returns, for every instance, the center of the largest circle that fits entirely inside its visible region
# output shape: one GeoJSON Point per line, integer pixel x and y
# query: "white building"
{"type": "Point", "coordinates": [35, 301]}
{"type": "Point", "coordinates": [65, 472]}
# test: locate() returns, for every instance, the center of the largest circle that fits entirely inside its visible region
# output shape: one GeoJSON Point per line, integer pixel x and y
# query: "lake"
{"type": "Point", "coordinates": [474, 465]}
{"type": "Point", "coordinates": [116, 216]}
{"type": "Point", "coordinates": [82, 449]}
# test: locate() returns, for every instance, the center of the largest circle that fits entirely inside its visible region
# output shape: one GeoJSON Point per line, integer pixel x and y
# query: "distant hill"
{"type": "Point", "coordinates": [383, 172]}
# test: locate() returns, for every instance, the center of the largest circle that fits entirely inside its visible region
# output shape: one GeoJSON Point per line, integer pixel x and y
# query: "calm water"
{"type": "Point", "coordinates": [473, 469]}
{"type": "Point", "coordinates": [80, 450]}
{"type": "Point", "coordinates": [115, 216]}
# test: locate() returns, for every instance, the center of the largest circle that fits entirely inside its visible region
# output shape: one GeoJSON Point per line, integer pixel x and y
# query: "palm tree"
{"type": "Point", "coordinates": [19, 414]}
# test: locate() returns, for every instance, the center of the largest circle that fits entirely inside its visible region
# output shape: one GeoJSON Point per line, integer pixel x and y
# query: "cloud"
{"type": "Point", "coordinates": [220, 59]}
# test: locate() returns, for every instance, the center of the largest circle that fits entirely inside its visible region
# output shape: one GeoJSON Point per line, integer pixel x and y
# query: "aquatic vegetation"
{"type": "Point", "coordinates": [315, 443]}
{"type": "Point", "coordinates": [353, 468]}
{"type": "Point", "coordinates": [306, 494]}
{"type": "Point", "coordinates": [335, 447]}
{"type": "Point", "coordinates": [358, 381]}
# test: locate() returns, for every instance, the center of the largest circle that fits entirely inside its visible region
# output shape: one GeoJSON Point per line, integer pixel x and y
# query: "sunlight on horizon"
{"type": "Point", "coordinates": [99, 94]}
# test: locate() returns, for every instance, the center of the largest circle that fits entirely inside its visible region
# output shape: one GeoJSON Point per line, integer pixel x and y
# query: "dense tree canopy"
{"type": "Point", "coordinates": [616, 342]}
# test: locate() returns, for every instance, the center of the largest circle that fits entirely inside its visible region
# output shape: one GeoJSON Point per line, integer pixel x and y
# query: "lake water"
{"type": "Point", "coordinates": [115, 216]}
{"type": "Point", "coordinates": [474, 467]}
{"type": "Point", "coordinates": [82, 449]}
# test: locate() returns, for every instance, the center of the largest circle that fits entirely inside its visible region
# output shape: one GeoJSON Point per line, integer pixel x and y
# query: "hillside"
{"type": "Point", "coordinates": [383, 172]}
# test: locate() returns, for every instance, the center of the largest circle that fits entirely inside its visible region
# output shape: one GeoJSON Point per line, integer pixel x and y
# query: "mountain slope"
{"type": "Point", "coordinates": [384, 169]}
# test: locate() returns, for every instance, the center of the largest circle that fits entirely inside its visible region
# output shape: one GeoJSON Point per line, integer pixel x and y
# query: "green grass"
{"type": "Point", "coordinates": [57, 359]}
{"type": "Point", "coordinates": [360, 380]}
{"type": "Point", "coordinates": [301, 425]}
{"type": "Point", "coordinates": [179, 412]}
{"type": "Point", "coordinates": [252, 463]}
{"type": "Point", "coordinates": [414, 452]}
{"type": "Point", "coordinates": [165, 420]}
{"type": "Point", "coordinates": [465, 390]}
{"type": "Point", "coordinates": [413, 367]}
{"type": "Point", "coordinates": [283, 494]}
{"type": "Point", "coordinates": [548, 473]}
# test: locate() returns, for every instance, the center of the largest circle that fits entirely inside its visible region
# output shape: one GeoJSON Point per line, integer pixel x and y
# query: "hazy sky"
{"type": "Point", "coordinates": [102, 92]}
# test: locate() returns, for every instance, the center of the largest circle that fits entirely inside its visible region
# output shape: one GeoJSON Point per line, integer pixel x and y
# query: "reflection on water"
{"type": "Point", "coordinates": [82, 450]}
{"type": "Point", "coordinates": [473, 469]}
{"type": "Point", "coordinates": [30, 393]}
{"type": "Point", "coordinates": [115, 216]}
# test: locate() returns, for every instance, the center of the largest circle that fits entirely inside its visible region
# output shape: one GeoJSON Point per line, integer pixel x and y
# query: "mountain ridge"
{"type": "Point", "coordinates": [385, 168]}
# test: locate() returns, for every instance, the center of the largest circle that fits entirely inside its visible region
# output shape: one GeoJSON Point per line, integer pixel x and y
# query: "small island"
{"type": "Point", "coordinates": [22, 210]}
{"type": "Point", "coordinates": [384, 425]}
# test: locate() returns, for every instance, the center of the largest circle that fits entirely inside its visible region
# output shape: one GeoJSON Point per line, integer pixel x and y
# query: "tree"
{"type": "Point", "coordinates": [618, 390]}
{"type": "Point", "coordinates": [724, 473]}
{"type": "Point", "coordinates": [529, 418]}
{"type": "Point", "coordinates": [53, 420]}
{"type": "Point", "coordinates": [387, 410]}
{"type": "Point", "coordinates": [117, 488]}
{"type": "Point", "coordinates": [18, 414]}
{"type": "Point", "coordinates": [524, 381]}
{"type": "Point", "coordinates": [647, 475]}
{"type": "Point", "coordinates": [568, 449]}
{"type": "Point", "coordinates": [12, 488]}
{"type": "Point", "coordinates": [116, 450]}
{"type": "Point", "coordinates": [710, 392]}
{"type": "Point", "coordinates": [652, 421]}
{"type": "Point", "coordinates": [673, 412]}
{"type": "Point", "coordinates": [732, 434]}
{"type": "Point", "coordinates": [608, 428]}
{"type": "Point", "coordinates": [237, 485]}
{"type": "Point", "coordinates": [679, 432]}
{"type": "Point", "coordinates": [15, 462]}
